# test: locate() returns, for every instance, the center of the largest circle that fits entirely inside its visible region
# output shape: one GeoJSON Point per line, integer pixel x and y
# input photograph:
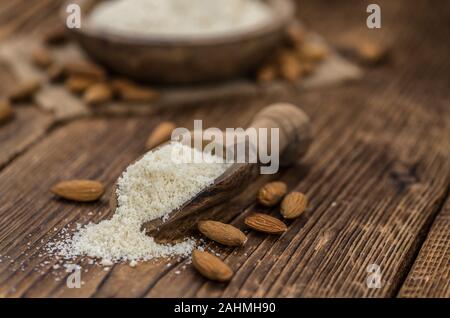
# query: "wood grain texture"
{"type": "Point", "coordinates": [27, 126]}
{"type": "Point", "coordinates": [377, 176]}
{"type": "Point", "coordinates": [372, 215]}
{"type": "Point", "coordinates": [430, 275]}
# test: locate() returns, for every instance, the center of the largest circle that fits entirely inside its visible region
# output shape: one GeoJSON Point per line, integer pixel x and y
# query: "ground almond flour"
{"type": "Point", "coordinates": [179, 17]}
{"type": "Point", "coordinates": [149, 189]}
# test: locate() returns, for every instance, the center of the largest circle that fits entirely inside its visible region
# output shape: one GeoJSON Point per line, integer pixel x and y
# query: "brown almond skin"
{"type": "Point", "coordinates": [267, 73]}
{"type": "Point", "coordinates": [56, 35]}
{"type": "Point", "coordinates": [98, 94]}
{"type": "Point", "coordinates": [293, 205]}
{"type": "Point", "coordinates": [79, 190]}
{"type": "Point", "coordinates": [78, 84]}
{"type": "Point", "coordinates": [211, 267]}
{"type": "Point", "coordinates": [311, 52]}
{"type": "Point", "coordinates": [84, 68]}
{"type": "Point", "coordinates": [272, 193]}
{"type": "Point", "coordinates": [371, 53]}
{"type": "Point", "coordinates": [55, 73]}
{"type": "Point", "coordinates": [295, 34]}
{"type": "Point", "coordinates": [131, 92]}
{"type": "Point", "coordinates": [24, 90]}
{"type": "Point", "coordinates": [6, 111]}
{"type": "Point", "coordinates": [41, 57]}
{"type": "Point", "coordinates": [290, 67]}
{"type": "Point", "coordinates": [222, 233]}
{"type": "Point", "coordinates": [160, 134]}
{"type": "Point", "coordinates": [265, 223]}
{"type": "Point", "coordinates": [139, 95]}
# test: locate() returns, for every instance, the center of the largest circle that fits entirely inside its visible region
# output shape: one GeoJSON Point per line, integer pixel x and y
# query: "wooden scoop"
{"type": "Point", "coordinates": [295, 138]}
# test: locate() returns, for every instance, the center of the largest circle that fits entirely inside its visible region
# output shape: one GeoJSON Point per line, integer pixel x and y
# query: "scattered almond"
{"type": "Point", "coordinates": [222, 233]}
{"type": "Point", "coordinates": [265, 223]}
{"type": "Point", "coordinates": [78, 84]}
{"type": "Point", "coordinates": [272, 193]}
{"type": "Point", "coordinates": [267, 73]}
{"type": "Point", "coordinates": [293, 205]}
{"type": "Point", "coordinates": [371, 53]}
{"type": "Point", "coordinates": [97, 94]}
{"type": "Point", "coordinates": [211, 266]}
{"type": "Point", "coordinates": [131, 92]}
{"type": "Point", "coordinates": [6, 111]}
{"type": "Point", "coordinates": [55, 73]}
{"type": "Point", "coordinates": [79, 190]}
{"type": "Point", "coordinates": [84, 68]}
{"type": "Point", "coordinates": [41, 57]}
{"type": "Point", "coordinates": [290, 67]}
{"type": "Point", "coordinates": [297, 57]}
{"type": "Point", "coordinates": [56, 35]}
{"type": "Point", "coordinates": [24, 90]}
{"type": "Point", "coordinates": [296, 34]}
{"type": "Point", "coordinates": [313, 52]}
{"type": "Point", "coordinates": [160, 134]}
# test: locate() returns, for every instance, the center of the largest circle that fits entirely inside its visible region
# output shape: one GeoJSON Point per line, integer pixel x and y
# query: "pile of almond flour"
{"type": "Point", "coordinates": [149, 189]}
{"type": "Point", "coordinates": [179, 17]}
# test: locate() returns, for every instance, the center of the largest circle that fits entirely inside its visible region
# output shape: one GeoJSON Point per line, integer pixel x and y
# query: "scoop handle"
{"type": "Point", "coordinates": [294, 130]}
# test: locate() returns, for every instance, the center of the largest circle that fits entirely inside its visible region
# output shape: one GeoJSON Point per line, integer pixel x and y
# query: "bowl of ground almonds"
{"type": "Point", "coordinates": [181, 41]}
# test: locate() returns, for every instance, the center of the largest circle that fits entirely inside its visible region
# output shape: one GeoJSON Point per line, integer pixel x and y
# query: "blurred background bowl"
{"type": "Point", "coordinates": [183, 59]}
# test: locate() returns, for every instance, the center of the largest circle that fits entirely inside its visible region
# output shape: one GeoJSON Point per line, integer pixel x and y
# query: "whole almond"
{"type": "Point", "coordinates": [293, 205]}
{"type": "Point", "coordinates": [160, 134]}
{"type": "Point", "coordinates": [272, 193]}
{"type": "Point", "coordinates": [55, 73]}
{"type": "Point", "coordinates": [295, 34]}
{"type": "Point", "coordinates": [290, 67]}
{"type": "Point", "coordinates": [97, 94]}
{"type": "Point", "coordinates": [131, 92]}
{"type": "Point", "coordinates": [56, 35]}
{"type": "Point", "coordinates": [371, 53]}
{"type": "Point", "coordinates": [265, 223]}
{"type": "Point", "coordinates": [211, 266]}
{"type": "Point", "coordinates": [6, 111]}
{"type": "Point", "coordinates": [222, 233]}
{"type": "Point", "coordinates": [41, 57]}
{"type": "Point", "coordinates": [313, 52]}
{"type": "Point", "coordinates": [79, 190]}
{"type": "Point", "coordinates": [23, 91]}
{"type": "Point", "coordinates": [84, 68]}
{"type": "Point", "coordinates": [267, 73]}
{"type": "Point", "coordinates": [77, 84]}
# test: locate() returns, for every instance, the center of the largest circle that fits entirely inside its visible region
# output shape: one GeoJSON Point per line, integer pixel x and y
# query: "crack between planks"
{"type": "Point", "coordinates": [421, 240]}
{"type": "Point", "coordinates": [59, 123]}
{"type": "Point", "coordinates": [160, 276]}
{"type": "Point", "coordinates": [163, 274]}
{"type": "Point", "coordinates": [53, 237]}
{"type": "Point", "coordinates": [51, 128]}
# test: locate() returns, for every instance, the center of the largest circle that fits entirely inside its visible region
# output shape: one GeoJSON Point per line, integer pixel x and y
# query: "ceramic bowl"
{"type": "Point", "coordinates": [182, 59]}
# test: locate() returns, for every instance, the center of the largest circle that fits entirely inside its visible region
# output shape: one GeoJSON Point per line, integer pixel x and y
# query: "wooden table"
{"type": "Point", "coordinates": [377, 175]}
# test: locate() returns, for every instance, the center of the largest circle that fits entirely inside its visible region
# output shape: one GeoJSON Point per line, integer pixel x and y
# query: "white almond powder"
{"type": "Point", "coordinates": [149, 189]}
{"type": "Point", "coordinates": [179, 17]}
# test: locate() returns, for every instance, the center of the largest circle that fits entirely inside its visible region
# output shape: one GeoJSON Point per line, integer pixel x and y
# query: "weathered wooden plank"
{"type": "Point", "coordinates": [430, 274]}
{"type": "Point", "coordinates": [26, 13]}
{"type": "Point", "coordinates": [48, 165]}
{"type": "Point", "coordinates": [376, 175]}
{"type": "Point", "coordinates": [98, 149]}
{"type": "Point", "coordinates": [365, 209]}
{"type": "Point", "coordinates": [373, 189]}
{"type": "Point", "coordinates": [27, 126]}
